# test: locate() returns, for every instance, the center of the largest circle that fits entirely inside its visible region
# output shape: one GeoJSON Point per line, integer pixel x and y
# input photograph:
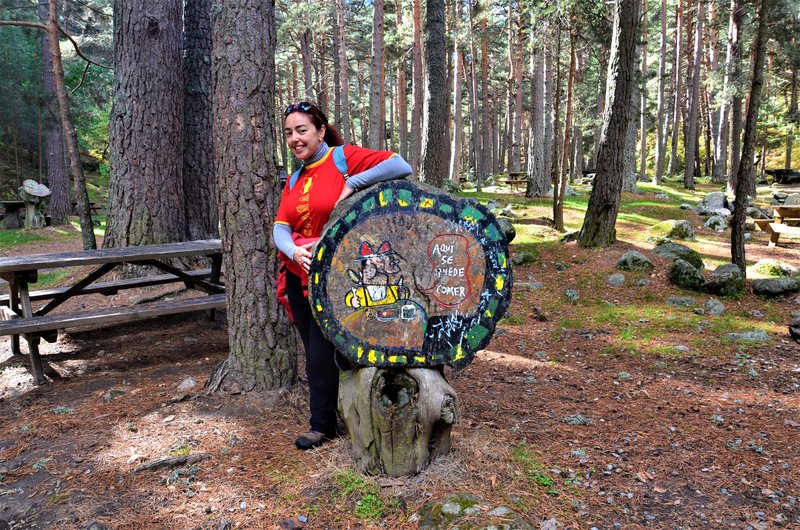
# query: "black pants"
{"type": "Point", "coordinates": [321, 369]}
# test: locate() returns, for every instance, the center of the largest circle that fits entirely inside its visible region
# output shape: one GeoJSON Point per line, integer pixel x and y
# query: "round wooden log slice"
{"type": "Point", "coordinates": [408, 275]}
{"type": "Point", "coordinates": [399, 420]}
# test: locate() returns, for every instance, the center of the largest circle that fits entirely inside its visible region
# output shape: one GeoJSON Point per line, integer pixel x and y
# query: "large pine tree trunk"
{"type": "Point", "coordinates": [658, 173]}
{"type": "Point", "coordinates": [643, 98]}
{"type": "Point", "coordinates": [629, 176]}
{"type": "Point", "coordinates": [690, 142]}
{"type": "Point", "coordinates": [343, 88]}
{"type": "Point", "coordinates": [538, 177]}
{"type": "Point", "coordinates": [732, 61]}
{"type": "Point", "coordinates": [402, 97]}
{"type": "Point", "coordinates": [563, 173]}
{"type": "Point", "coordinates": [263, 345]}
{"type": "Point", "coordinates": [550, 73]}
{"type": "Point", "coordinates": [792, 118]}
{"type": "Point", "coordinates": [199, 182]}
{"type": "Point", "coordinates": [746, 169]}
{"type": "Point", "coordinates": [57, 176]}
{"type": "Point", "coordinates": [677, 104]}
{"type": "Point", "coordinates": [599, 224]}
{"type": "Point", "coordinates": [458, 76]}
{"type": "Point", "coordinates": [485, 158]}
{"type": "Point", "coordinates": [68, 129]}
{"type": "Point", "coordinates": [436, 139]}
{"type": "Point", "coordinates": [377, 107]}
{"type": "Point", "coordinates": [146, 195]}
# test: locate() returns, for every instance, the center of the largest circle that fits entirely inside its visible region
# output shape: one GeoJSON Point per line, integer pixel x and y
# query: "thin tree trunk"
{"type": "Point", "coordinates": [538, 177]}
{"type": "Point", "coordinates": [746, 170]}
{"type": "Point", "coordinates": [792, 118]}
{"type": "Point", "coordinates": [436, 141]}
{"type": "Point", "coordinates": [344, 87]}
{"type": "Point", "coordinates": [600, 101]}
{"type": "Point", "coordinates": [377, 105]}
{"type": "Point", "coordinates": [322, 80]}
{"type": "Point", "coordinates": [486, 160]}
{"type": "Point", "coordinates": [417, 87]}
{"type": "Point", "coordinates": [672, 167]}
{"type": "Point", "coordinates": [549, 75]}
{"type": "Point", "coordinates": [643, 98]}
{"type": "Point", "coordinates": [68, 129]}
{"type": "Point", "coordinates": [732, 60]}
{"type": "Point", "coordinates": [555, 165]}
{"type": "Point", "coordinates": [690, 142]}
{"type": "Point", "coordinates": [402, 97]}
{"type": "Point", "coordinates": [458, 69]}
{"type": "Point", "coordinates": [658, 174]}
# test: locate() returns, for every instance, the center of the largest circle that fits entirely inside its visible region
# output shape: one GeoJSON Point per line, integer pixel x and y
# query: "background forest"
{"type": "Point", "coordinates": [517, 73]}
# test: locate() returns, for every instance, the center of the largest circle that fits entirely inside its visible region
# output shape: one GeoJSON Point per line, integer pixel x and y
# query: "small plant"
{"type": "Point", "coordinates": [40, 464]}
{"type": "Point", "coordinates": [577, 419]}
{"type": "Point", "coordinates": [534, 469]}
{"type": "Point", "coordinates": [183, 450]}
{"type": "Point", "coordinates": [369, 504]}
{"type": "Point", "coordinates": [63, 410]}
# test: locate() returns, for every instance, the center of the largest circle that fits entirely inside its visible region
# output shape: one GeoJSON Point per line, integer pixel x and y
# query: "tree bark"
{"type": "Point", "coordinates": [690, 142]}
{"type": "Point", "coordinates": [792, 118]}
{"type": "Point", "coordinates": [57, 176]}
{"type": "Point", "coordinates": [402, 96]}
{"type": "Point", "coordinates": [549, 76]}
{"type": "Point", "coordinates": [417, 87]}
{"type": "Point", "coordinates": [658, 173]}
{"type": "Point", "coordinates": [538, 177]}
{"type": "Point", "coordinates": [599, 224]}
{"type": "Point", "coordinates": [68, 129]}
{"type": "Point", "coordinates": [485, 160]}
{"type": "Point", "coordinates": [199, 182]}
{"type": "Point", "coordinates": [377, 105]}
{"type": "Point", "coordinates": [563, 174]}
{"type": "Point", "coordinates": [146, 195]}
{"type": "Point", "coordinates": [458, 75]}
{"type": "Point", "coordinates": [344, 87]}
{"type": "Point", "coordinates": [643, 98]}
{"type": "Point", "coordinates": [436, 140]}
{"type": "Point", "coordinates": [732, 60]}
{"type": "Point", "coordinates": [263, 344]}
{"type": "Point", "coordinates": [746, 169]}
{"type": "Point", "coordinates": [673, 166]}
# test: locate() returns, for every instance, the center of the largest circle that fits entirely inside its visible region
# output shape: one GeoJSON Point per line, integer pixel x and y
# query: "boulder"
{"type": "Point", "coordinates": [686, 206]}
{"type": "Point", "coordinates": [714, 307]}
{"type": "Point", "coordinates": [723, 212]}
{"type": "Point", "coordinates": [727, 280]}
{"type": "Point", "coordinates": [716, 223]}
{"type": "Point", "coordinates": [673, 251]}
{"type": "Point", "coordinates": [616, 280]}
{"type": "Point", "coordinates": [773, 267]}
{"type": "Point", "coordinates": [793, 199]}
{"type": "Point", "coordinates": [680, 301]}
{"type": "Point", "coordinates": [634, 261]}
{"type": "Point", "coordinates": [685, 275]}
{"type": "Point", "coordinates": [672, 229]}
{"type": "Point", "coordinates": [772, 287]}
{"type": "Point", "coordinates": [756, 213]}
{"type": "Point", "coordinates": [794, 329]}
{"type": "Point", "coordinates": [711, 202]}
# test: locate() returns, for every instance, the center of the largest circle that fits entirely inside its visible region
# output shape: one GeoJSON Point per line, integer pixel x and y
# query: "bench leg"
{"type": "Point", "coordinates": [216, 273]}
{"type": "Point", "coordinates": [36, 360]}
{"type": "Point", "coordinates": [13, 302]}
{"type": "Point", "coordinates": [773, 238]}
{"type": "Point", "coordinates": [15, 345]}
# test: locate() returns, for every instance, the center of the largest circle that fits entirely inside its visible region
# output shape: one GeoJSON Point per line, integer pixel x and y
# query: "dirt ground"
{"type": "Point", "coordinates": [569, 424]}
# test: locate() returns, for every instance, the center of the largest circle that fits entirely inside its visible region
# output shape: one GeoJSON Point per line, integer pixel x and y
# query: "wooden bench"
{"type": "Point", "coordinates": [515, 179]}
{"type": "Point", "coordinates": [786, 219]}
{"type": "Point", "coordinates": [113, 315]}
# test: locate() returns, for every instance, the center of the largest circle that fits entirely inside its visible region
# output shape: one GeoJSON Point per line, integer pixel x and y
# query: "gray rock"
{"type": "Point", "coordinates": [572, 295]}
{"type": "Point", "coordinates": [671, 229]}
{"type": "Point", "coordinates": [570, 236]}
{"type": "Point", "coordinates": [634, 261]}
{"type": "Point", "coordinates": [714, 307]}
{"type": "Point", "coordinates": [716, 223]}
{"type": "Point", "coordinates": [673, 251]}
{"type": "Point", "coordinates": [507, 228]}
{"type": "Point", "coordinates": [561, 266]}
{"type": "Point", "coordinates": [791, 200]}
{"type": "Point", "coordinates": [94, 525]}
{"type": "Point", "coordinates": [500, 511]}
{"type": "Point", "coordinates": [686, 206]}
{"type": "Point", "coordinates": [773, 267]}
{"type": "Point", "coordinates": [683, 274]}
{"type": "Point", "coordinates": [681, 348]}
{"type": "Point", "coordinates": [756, 213]}
{"type": "Point", "coordinates": [795, 314]}
{"type": "Point", "coordinates": [711, 202]}
{"type": "Point", "coordinates": [528, 285]}
{"type": "Point", "coordinates": [755, 313]}
{"type": "Point", "coordinates": [112, 394]}
{"type": "Point", "coordinates": [772, 287]}
{"type": "Point", "coordinates": [642, 282]}
{"type": "Point", "coordinates": [794, 329]}
{"type": "Point", "coordinates": [186, 384]}
{"type": "Point", "coordinates": [661, 195]}
{"type": "Point", "coordinates": [778, 197]}
{"type": "Point", "coordinates": [748, 336]}
{"type": "Point", "coordinates": [727, 280]}
{"type": "Point", "coordinates": [616, 280]}
{"type": "Point", "coordinates": [680, 301]}
{"type": "Point", "coordinates": [451, 508]}
{"type": "Point", "coordinates": [722, 212]}
{"type": "Point", "coordinates": [523, 258]}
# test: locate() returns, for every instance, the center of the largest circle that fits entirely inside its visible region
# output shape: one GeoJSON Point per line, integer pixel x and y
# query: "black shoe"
{"type": "Point", "coordinates": [310, 440]}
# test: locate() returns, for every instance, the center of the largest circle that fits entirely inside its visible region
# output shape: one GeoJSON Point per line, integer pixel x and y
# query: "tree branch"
{"type": "Point", "coordinates": [23, 24]}
{"type": "Point", "coordinates": [83, 77]}
{"type": "Point", "coordinates": [79, 52]}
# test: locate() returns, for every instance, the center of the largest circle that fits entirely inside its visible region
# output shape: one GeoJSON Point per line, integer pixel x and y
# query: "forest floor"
{"type": "Point", "coordinates": [618, 411]}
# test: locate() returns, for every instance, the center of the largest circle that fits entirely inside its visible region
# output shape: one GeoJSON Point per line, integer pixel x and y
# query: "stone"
{"type": "Point", "coordinates": [683, 274]}
{"type": "Point", "coordinates": [772, 287]}
{"type": "Point", "coordinates": [727, 280]}
{"type": "Point", "coordinates": [561, 266]}
{"type": "Point", "coordinates": [673, 251]}
{"type": "Point", "coordinates": [616, 280]}
{"type": "Point", "coordinates": [186, 384]}
{"type": "Point", "coordinates": [642, 282]}
{"type": "Point", "coordinates": [672, 229]}
{"type": "Point", "coordinates": [791, 200]}
{"type": "Point", "coordinates": [711, 202]}
{"type": "Point", "coordinates": [714, 307]}
{"type": "Point", "coordinates": [94, 525]}
{"type": "Point", "coordinates": [680, 301]}
{"type": "Point", "coordinates": [748, 336]}
{"type": "Point", "coordinates": [723, 212]}
{"type": "Point", "coordinates": [634, 261]}
{"type": "Point", "coordinates": [407, 275]}
{"type": "Point", "coordinates": [572, 295]}
{"type": "Point", "coordinates": [773, 267]}
{"type": "Point", "coordinates": [112, 394]}
{"type": "Point", "coordinates": [756, 213]}
{"type": "Point", "coordinates": [570, 236]}
{"type": "Point", "coordinates": [716, 223]}
{"type": "Point", "coordinates": [794, 329]}
{"type": "Point", "coordinates": [686, 206]}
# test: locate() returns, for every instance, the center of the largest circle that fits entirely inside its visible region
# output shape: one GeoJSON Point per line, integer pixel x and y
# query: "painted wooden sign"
{"type": "Point", "coordinates": [408, 275]}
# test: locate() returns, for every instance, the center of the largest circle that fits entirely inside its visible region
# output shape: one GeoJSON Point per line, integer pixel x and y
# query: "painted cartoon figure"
{"type": "Point", "coordinates": [375, 278]}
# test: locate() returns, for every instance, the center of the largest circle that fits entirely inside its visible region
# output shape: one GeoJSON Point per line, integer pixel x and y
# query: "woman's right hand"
{"type": "Point", "coordinates": [302, 255]}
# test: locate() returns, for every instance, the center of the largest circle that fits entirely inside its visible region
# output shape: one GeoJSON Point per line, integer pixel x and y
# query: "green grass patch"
{"type": "Point", "coordinates": [534, 469]}
{"type": "Point", "coordinates": [365, 494]}
{"type": "Point", "coordinates": [49, 279]}
{"type": "Point", "coordinates": [10, 238]}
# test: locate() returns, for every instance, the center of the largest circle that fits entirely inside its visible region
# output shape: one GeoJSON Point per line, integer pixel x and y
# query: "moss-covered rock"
{"type": "Point", "coordinates": [671, 229]}
{"type": "Point", "coordinates": [774, 268]}
{"type": "Point", "coordinates": [674, 251]}
{"type": "Point", "coordinates": [772, 287]}
{"type": "Point", "coordinates": [727, 280]}
{"type": "Point", "coordinates": [634, 261]}
{"type": "Point", "coordinates": [685, 275]}
{"type": "Point", "coordinates": [471, 512]}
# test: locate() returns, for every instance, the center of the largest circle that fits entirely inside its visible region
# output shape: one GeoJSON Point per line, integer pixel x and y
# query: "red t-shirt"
{"type": "Point", "coordinates": [306, 207]}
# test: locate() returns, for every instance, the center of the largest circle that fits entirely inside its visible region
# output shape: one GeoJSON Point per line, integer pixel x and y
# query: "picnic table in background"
{"type": "Point", "coordinates": [19, 317]}
{"type": "Point", "coordinates": [516, 179]}
{"type": "Point", "coordinates": [785, 222]}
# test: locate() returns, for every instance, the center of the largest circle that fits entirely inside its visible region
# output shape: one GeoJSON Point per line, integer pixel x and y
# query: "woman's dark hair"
{"type": "Point", "coordinates": [318, 118]}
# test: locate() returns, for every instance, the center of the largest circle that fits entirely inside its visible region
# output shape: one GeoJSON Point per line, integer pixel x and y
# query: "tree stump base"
{"type": "Point", "coordinates": [399, 419]}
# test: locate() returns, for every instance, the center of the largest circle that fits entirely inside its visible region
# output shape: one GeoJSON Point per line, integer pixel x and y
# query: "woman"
{"type": "Point", "coordinates": [304, 209]}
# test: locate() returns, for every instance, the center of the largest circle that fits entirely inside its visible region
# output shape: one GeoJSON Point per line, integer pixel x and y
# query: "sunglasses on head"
{"type": "Point", "coordinates": [303, 106]}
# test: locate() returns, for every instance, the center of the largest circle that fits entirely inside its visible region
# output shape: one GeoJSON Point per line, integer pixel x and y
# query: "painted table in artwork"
{"type": "Point", "coordinates": [406, 276]}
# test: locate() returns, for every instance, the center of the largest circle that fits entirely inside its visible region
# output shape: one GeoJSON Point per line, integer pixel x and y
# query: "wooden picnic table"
{"type": "Point", "coordinates": [787, 218]}
{"type": "Point", "coordinates": [515, 179]}
{"type": "Point", "coordinates": [19, 317]}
